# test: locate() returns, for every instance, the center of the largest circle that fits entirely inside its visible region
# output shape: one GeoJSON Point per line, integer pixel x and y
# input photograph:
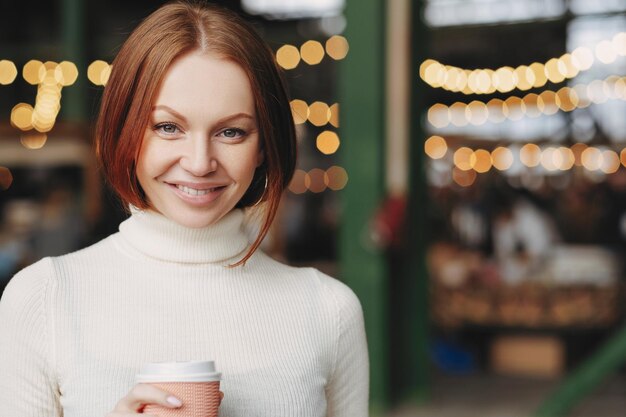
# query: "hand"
{"type": "Point", "coordinates": [140, 396]}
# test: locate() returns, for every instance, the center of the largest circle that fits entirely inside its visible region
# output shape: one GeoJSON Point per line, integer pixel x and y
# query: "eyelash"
{"type": "Point", "coordinates": [238, 132]}
{"type": "Point", "coordinates": [160, 126]}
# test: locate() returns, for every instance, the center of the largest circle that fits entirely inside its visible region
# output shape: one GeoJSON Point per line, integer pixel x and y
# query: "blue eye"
{"type": "Point", "coordinates": [233, 133]}
{"type": "Point", "coordinates": [167, 128]}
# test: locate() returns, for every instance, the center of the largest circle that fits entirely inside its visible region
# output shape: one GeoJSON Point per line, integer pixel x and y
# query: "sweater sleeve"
{"type": "Point", "coordinates": [348, 388]}
{"type": "Point", "coordinates": [27, 385]}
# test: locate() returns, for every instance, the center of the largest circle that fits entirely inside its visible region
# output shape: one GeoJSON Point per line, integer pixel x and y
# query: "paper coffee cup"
{"type": "Point", "coordinates": [195, 383]}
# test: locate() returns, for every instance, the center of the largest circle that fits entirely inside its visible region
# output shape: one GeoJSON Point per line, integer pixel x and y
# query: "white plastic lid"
{"type": "Point", "coordinates": [191, 371]}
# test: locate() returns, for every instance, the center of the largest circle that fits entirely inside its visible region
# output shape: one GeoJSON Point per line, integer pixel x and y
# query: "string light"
{"type": "Point", "coordinates": [531, 155]}
{"type": "Point", "coordinates": [318, 113]}
{"type": "Point", "coordinates": [523, 77]}
{"type": "Point", "coordinates": [515, 108]}
{"type": "Point", "coordinates": [317, 180]}
{"type": "Point", "coordinates": [312, 52]}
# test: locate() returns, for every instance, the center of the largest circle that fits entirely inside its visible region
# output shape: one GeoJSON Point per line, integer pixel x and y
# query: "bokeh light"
{"type": "Point", "coordinates": [462, 158]}
{"type": "Point", "coordinates": [435, 147]}
{"type": "Point", "coordinates": [95, 72]}
{"type": "Point", "coordinates": [502, 158]}
{"type": "Point", "coordinates": [439, 115]}
{"type": "Point", "coordinates": [319, 113]}
{"type": "Point", "coordinates": [287, 56]}
{"type": "Point", "coordinates": [591, 159]}
{"type": "Point", "coordinates": [530, 155]}
{"type": "Point", "coordinates": [8, 72]}
{"type": "Point", "coordinates": [66, 73]}
{"type": "Point", "coordinates": [314, 180]}
{"type": "Point", "coordinates": [22, 116]}
{"type": "Point", "coordinates": [300, 111]}
{"type": "Point", "coordinates": [583, 57]}
{"type": "Point", "coordinates": [33, 140]}
{"type": "Point", "coordinates": [610, 162]}
{"type": "Point", "coordinates": [337, 47]}
{"type": "Point", "coordinates": [297, 184]}
{"type": "Point", "coordinates": [463, 178]}
{"type": "Point", "coordinates": [312, 52]}
{"type": "Point", "coordinates": [480, 161]}
{"type": "Point", "coordinates": [564, 158]}
{"type": "Point", "coordinates": [334, 115]}
{"type": "Point", "coordinates": [327, 142]}
{"type": "Point", "coordinates": [336, 178]}
{"type": "Point", "coordinates": [605, 52]}
{"type": "Point", "coordinates": [34, 72]}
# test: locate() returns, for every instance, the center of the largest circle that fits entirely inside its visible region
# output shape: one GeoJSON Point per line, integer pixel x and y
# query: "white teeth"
{"type": "Point", "coordinates": [193, 191]}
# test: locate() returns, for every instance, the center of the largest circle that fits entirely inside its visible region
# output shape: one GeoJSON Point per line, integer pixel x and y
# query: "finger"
{"type": "Point", "coordinates": [143, 394]}
{"type": "Point", "coordinates": [221, 396]}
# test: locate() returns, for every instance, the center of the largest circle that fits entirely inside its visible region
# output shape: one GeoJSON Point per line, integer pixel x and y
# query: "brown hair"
{"type": "Point", "coordinates": [138, 69]}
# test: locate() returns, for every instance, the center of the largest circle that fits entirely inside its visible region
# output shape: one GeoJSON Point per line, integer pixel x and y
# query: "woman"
{"type": "Point", "coordinates": [194, 127]}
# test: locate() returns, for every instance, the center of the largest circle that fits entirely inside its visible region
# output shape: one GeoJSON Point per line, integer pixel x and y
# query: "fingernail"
{"type": "Point", "coordinates": [174, 401]}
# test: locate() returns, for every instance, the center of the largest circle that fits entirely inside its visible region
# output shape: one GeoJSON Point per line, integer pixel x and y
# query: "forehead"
{"type": "Point", "coordinates": [207, 82]}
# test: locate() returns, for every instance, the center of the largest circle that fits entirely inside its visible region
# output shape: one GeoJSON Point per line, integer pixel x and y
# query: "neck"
{"type": "Point", "coordinates": [161, 238]}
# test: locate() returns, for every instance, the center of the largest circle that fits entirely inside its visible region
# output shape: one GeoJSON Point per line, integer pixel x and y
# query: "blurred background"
{"type": "Point", "coordinates": [462, 166]}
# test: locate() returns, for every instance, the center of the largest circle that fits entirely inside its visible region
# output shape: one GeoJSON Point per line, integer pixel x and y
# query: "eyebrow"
{"type": "Point", "coordinates": [220, 121]}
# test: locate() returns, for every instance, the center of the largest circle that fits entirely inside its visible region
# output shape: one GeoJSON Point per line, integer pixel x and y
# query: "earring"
{"type": "Point", "coordinates": [262, 194]}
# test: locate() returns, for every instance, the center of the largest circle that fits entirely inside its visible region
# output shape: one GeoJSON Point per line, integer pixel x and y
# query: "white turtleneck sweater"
{"type": "Point", "coordinates": [75, 329]}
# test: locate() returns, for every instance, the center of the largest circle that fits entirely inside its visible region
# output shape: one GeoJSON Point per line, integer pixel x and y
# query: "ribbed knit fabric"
{"type": "Point", "coordinates": [74, 330]}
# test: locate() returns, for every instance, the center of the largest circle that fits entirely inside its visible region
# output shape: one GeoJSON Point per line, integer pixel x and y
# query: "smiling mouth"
{"type": "Point", "coordinates": [194, 191]}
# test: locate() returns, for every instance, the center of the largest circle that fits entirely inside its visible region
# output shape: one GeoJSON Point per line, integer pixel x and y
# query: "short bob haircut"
{"type": "Point", "coordinates": [171, 31]}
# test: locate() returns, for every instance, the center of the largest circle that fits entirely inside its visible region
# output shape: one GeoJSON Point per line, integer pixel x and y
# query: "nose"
{"type": "Point", "coordinates": [198, 158]}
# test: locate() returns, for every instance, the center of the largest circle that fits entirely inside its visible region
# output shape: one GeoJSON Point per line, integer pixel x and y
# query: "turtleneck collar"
{"type": "Point", "coordinates": [161, 238]}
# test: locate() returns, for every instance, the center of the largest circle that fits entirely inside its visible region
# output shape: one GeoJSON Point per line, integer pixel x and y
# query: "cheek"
{"type": "Point", "coordinates": [151, 160]}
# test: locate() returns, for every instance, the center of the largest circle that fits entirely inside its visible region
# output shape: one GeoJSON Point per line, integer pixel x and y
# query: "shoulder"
{"type": "Point", "coordinates": [39, 278]}
{"type": "Point", "coordinates": [29, 287]}
{"type": "Point", "coordinates": [341, 297]}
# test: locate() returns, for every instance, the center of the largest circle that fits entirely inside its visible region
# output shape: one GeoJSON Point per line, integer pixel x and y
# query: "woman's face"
{"type": "Point", "coordinates": [201, 148]}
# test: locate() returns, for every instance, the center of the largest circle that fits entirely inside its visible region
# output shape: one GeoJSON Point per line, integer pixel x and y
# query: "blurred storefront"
{"type": "Point", "coordinates": [521, 125]}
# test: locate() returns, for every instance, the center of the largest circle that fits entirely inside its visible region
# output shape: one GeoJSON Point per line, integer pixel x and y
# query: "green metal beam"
{"type": "Point", "coordinates": [73, 37]}
{"type": "Point", "coordinates": [362, 153]}
{"type": "Point", "coordinates": [588, 376]}
{"type": "Point", "coordinates": [415, 307]}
